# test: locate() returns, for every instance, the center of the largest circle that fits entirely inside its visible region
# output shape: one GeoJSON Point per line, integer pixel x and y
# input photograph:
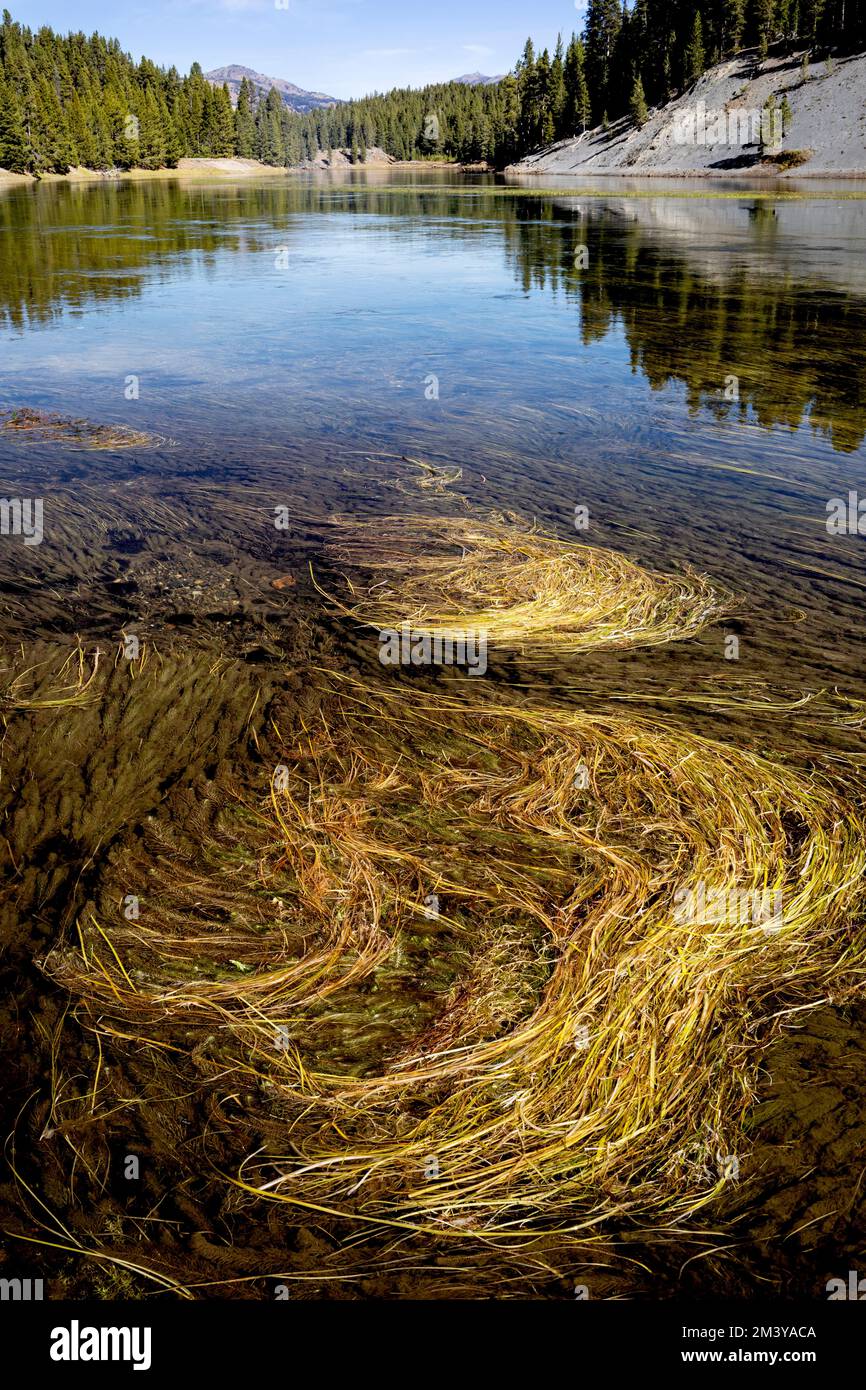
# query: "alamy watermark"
{"type": "Point", "coordinates": [730, 907]}
{"type": "Point", "coordinates": [741, 126]}
{"type": "Point", "coordinates": [21, 1290]}
{"type": "Point", "coordinates": [854, 1290]}
{"type": "Point", "coordinates": [77, 1343]}
{"type": "Point", "coordinates": [22, 516]}
{"type": "Point", "coordinates": [846, 516]}
{"type": "Point", "coordinates": [408, 647]}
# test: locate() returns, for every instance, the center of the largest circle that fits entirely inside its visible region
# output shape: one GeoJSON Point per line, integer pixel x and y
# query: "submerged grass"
{"type": "Point", "coordinates": [646, 1034]}
{"type": "Point", "coordinates": [521, 588]}
{"type": "Point", "coordinates": [45, 427]}
{"type": "Point", "coordinates": [36, 687]}
{"type": "Point", "coordinates": [445, 960]}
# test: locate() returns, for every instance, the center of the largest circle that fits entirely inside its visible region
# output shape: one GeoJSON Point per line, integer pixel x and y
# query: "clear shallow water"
{"type": "Point", "coordinates": [342, 299]}
{"type": "Point", "coordinates": [306, 385]}
{"type": "Point", "coordinates": [291, 331]}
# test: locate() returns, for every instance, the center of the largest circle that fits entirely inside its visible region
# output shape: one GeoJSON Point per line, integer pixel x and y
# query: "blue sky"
{"type": "Point", "coordinates": [343, 47]}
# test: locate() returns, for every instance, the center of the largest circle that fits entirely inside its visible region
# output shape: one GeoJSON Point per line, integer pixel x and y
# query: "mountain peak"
{"type": "Point", "coordinates": [296, 98]}
{"type": "Point", "coordinates": [478, 79]}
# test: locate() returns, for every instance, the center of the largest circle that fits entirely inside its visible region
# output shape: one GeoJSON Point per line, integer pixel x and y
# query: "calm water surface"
{"type": "Point", "coordinates": [304, 333]}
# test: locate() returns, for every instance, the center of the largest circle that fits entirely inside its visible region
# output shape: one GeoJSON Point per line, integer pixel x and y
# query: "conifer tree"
{"type": "Point", "coordinates": [577, 93]}
{"type": "Point", "coordinates": [269, 138]}
{"type": "Point", "coordinates": [603, 23]}
{"type": "Point", "coordinates": [732, 23]}
{"type": "Point", "coordinates": [556, 89]}
{"type": "Point", "coordinates": [528, 96]}
{"type": "Point", "coordinates": [223, 133]}
{"type": "Point", "coordinates": [173, 141]}
{"type": "Point", "coordinates": [637, 106]}
{"type": "Point", "coordinates": [695, 58]}
{"type": "Point", "coordinates": [542, 123]}
{"type": "Point", "coordinates": [51, 142]}
{"type": "Point", "coordinates": [81, 133]}
{"type": "Point", "coordinates": [245, 125]}
{"type": "Point", "coordinates": [15, 153]}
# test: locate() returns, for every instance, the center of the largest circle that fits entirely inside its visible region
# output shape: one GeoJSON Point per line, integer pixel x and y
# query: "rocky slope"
{"type": "Point", "coordinates": [714, 128]}
{"type": "Point", "coordinates": [342, 159]}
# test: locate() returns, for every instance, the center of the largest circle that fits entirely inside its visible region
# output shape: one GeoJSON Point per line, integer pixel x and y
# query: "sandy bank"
{"type": "Point", "coordinates": [186, 168]}
{"type": "Point", "coordinates": [236, 168]}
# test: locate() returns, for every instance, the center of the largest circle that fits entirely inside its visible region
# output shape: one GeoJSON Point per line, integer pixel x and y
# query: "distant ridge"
{"type": "Point", "coordinates": [477, 79]}
{"type": "Point", "coordinates": [296, 98]}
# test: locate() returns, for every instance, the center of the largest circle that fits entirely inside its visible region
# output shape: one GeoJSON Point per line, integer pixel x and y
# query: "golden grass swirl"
{"type": "Point", "coordinates": [522, 588]}
{"type": "Point", "coordinates": [485, 1109]}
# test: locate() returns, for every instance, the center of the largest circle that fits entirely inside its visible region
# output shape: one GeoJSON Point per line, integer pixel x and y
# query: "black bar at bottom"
{"type": "Point", "coordinates": [405, 1340]}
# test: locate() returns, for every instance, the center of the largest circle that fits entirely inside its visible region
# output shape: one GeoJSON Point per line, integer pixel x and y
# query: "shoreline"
{"type": "Point", "coordinates": [202, 168]}
{"type": "Point", "coordinates": [226, 168]}
{"type": "Point", "coordinates": [746, 176]}
{"type": "Point", "coordinates": [232, 169]}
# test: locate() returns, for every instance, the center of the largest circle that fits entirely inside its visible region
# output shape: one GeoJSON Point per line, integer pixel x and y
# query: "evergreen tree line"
{"type": "Point", "coordinates": [73, 100]}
